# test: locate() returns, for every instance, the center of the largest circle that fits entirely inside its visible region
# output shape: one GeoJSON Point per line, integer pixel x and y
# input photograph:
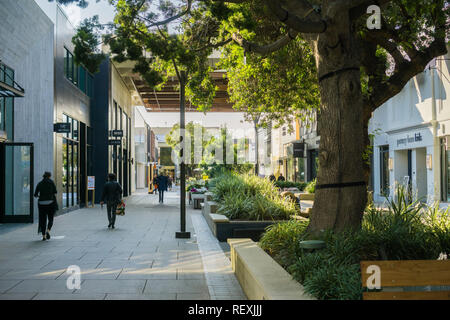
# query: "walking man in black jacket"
{"type": "Point", "coordinates": [46, 191]}
{"type": "Point", "coordinates": [112, 194]}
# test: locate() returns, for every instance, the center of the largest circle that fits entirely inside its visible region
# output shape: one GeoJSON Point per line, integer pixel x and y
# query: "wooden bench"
{"type": "Point", "coordinates": [396, 276]}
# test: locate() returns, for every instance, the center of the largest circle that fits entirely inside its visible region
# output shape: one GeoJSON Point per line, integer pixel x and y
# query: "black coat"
{"type": "Point", "coordinates": [45, 190]}
{"type": "Point", "coordinates": [162, 182]}
{"type": "Point", "coordinates": [112, 192]}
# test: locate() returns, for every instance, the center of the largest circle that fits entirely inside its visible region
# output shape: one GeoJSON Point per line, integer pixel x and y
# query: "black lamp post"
{"type": "Point", "coordinates": [182, 233]}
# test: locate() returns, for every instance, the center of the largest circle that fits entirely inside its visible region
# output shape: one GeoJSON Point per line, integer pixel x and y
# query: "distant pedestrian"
{"type": "Point", "coordinates": [162, 182]}
{"type": "Point", "coordinates": [155, 185]}
{"type": "Point", "coordinates": [170, 183]}
{"type": "Point", "coordinates": [281, 178]}
{"type": "Point", "coordinates": [112, 195]}
{"type": "Point", "coordinates": [272, 177]}
{"type": "Point", "coordinates": [47, 204]}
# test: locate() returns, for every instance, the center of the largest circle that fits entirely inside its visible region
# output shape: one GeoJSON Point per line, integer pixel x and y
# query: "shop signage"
{"type": "Point", "coordinates": [91, 182]}
{"type": "Point", "coordinates": [114, 142]}
{"type": "Point", "coordinates": [417, 138]}
{"type": "Point", "coordinates": [117, 133]}
{"type": "Point", "coordinates": [61, 127]}
{"type": "Point", "coordinates": [299, 149]}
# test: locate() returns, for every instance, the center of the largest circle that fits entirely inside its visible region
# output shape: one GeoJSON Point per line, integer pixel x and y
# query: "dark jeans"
{"type": "Point", "coordinates": [161, 195]}
{"type": "Point", "coordinates": [111, 209]}
{"type": "Point", "coordinates": [46, 212]}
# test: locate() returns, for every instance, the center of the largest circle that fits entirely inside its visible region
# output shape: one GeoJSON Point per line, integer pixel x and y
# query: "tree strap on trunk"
{"type": "Point", "coordinates": [341, 185]}
{"type": "Point", "coordinates": [331, 74]}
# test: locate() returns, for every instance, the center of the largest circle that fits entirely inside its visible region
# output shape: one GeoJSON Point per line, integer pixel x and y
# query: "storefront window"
{"type": "Point", "coordinates": [70, 164]}
{"type": "Point", "coordinates": [300, 175]}
{"type": "Point", "coordinates": [384, 167]}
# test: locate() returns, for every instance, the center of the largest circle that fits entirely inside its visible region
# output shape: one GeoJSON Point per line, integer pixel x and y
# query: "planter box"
{"type": "Point", "coordinates": [224, 229]}
{"type": "Point", "coordinates": [261, 277]}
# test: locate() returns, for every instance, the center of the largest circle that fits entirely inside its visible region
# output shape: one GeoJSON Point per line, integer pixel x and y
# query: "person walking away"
{"type": "Point", "coordinates": [112, 194]}
{"type": "Point", "coordinates": [47, 204]}
{"type": "Point", "coordinates": [281, 178]}
{"type": "Point", "coordinates": [162, 182]}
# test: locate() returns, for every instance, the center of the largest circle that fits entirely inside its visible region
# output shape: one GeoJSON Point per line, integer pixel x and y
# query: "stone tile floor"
{"type": "Point", "coordinates": [140, 259]}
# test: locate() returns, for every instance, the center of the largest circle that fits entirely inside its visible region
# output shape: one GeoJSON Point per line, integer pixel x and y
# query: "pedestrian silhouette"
{"type": "Point", "coordinates": [112, 195]}
{"type": "Point", "coordinates": [162, 181]}
{"type": "Point", "coordinates": [47, 204]}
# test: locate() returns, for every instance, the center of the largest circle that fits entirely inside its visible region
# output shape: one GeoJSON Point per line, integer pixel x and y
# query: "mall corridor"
{"type": "Point", "coordinates": [140, 259]}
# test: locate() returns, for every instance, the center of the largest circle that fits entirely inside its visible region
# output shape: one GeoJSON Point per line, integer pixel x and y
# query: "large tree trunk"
{"type": "Point", "coordinates": [342, 125]}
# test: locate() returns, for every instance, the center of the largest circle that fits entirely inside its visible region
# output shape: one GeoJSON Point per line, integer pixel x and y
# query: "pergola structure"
{"type": "Point", "coordinates": [168, 99]}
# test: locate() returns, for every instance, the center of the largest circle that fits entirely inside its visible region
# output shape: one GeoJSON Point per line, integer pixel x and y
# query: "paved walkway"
{"type": "Point", "coordinates": [140, 259]}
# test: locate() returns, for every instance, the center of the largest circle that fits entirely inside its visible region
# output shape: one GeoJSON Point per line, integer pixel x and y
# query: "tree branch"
{"type": "Point", "coordinates": [406, 71]}
{"type": "Point", "coordinates": [264, 49]}
{"type": "Point", "coordinates": [301, 25]}
{"type": "Point", "coordinates": [168, 20]}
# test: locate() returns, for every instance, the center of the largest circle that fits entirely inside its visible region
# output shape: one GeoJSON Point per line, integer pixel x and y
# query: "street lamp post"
{"type": "Point", "coordinates": [182, 233]}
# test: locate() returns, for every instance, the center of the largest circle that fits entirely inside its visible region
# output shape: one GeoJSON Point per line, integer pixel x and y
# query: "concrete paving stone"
{"type": "Point", "coordinates": [176, 286]}
{"type": "Point", "coordinates": [228, 297]}
{"type": "Point", "coordinates": [113, 261]}
{"type": "Point", "coordinates": [17, 296]}
{"type": "Point", "coordinates": [69, 296]}
{"type": "Point", "coordinates": [159, 296]}
{"type": "Point", "coordinates": [4, 270]}
{"type": "Point", "coordinates": [148, 273]}
{"type": "Point", "coordinates": [104, 255]}
{"type": "Point", "coordinates": [193, 296]}
{"type": "Point", "coordinates": [22, 274]}
{"type": "Point", "coordinates": [41, 286]}
{"type": "Point", "coordinates": [113, 286]}
{"type": "Point", "coordinates": [6, 285]}
{"type": "Point", "coordinates": [64, 264]}
{"type": "Point", "coordinates": [195, 274]}
{"type": "Point", "coordinates": [93, 273]}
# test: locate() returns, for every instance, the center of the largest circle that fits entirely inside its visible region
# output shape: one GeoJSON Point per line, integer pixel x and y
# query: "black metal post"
{"type": "Point", "coordinates": [182, 234]}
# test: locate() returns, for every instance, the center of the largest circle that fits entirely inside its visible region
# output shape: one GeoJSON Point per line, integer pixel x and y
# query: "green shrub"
{"type": "Point", "coordinates": [282, 240]}
{"type": "Point", "coordinates": [406, 231]}
{"type": "Point", "coordinates": [311, 186]}
{"type": "Point", "coordinates": [248, 197]}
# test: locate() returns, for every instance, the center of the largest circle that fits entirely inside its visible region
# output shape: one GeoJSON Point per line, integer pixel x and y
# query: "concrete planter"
{"type": "Point", "coordinates": [261, 277]}
{"type": "Point", "coordinates": [224, 228]}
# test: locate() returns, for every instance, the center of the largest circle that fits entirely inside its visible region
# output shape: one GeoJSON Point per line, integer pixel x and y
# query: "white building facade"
{"type": "Point", "coordinates": [411, 137]}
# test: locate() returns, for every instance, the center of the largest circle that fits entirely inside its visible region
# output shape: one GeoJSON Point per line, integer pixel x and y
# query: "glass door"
{"type": "Point", "coordinates": [16, 182]}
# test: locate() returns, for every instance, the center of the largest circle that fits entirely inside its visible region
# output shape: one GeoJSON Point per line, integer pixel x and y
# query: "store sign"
{"type": "Point", "coordinates": [299, 149]}
{"type": "Point", "coordinates": [114, 142]}
{"type": "Point", "coordinates": [61, 127]}
{"type": "Point", "coordinates": [117, 133]}
{"type": "Point", "coordinates": [91, 182]}
{"type": "Point", "coordinates": [417, 138]}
